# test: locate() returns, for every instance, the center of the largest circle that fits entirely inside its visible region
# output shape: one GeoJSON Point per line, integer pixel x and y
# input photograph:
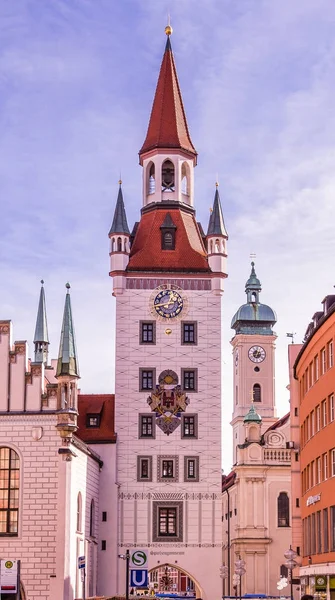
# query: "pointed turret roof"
{"type": "Point", "coordinates": [168, 126]}
{"type": "Point", "coordinates": [41, 329]}
{"type": "Point", "coordinates": [67, 357]}
{"type": "Point", "coordinates": [253, 282]}
{"type": "Point", "coordinates": [168, 223]}
{"type": "Point", "coordinates": [119, 224]}
{"type": "Point", "coordinates": [216, 224]}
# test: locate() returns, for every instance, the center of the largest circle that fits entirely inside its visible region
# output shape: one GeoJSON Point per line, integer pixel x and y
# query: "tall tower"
{"type": "Point", "coordinates": [168, 285]}
{"type": "Point", "coordinates": [254, 360]}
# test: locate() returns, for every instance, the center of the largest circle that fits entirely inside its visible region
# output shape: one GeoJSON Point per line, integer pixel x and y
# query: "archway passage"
{"type": "Point", "coordinates": [169, 578]}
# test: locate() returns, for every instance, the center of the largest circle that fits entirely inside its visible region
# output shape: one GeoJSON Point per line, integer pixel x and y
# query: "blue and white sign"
{"type": "Point", "coordinates": [81, 562]}
{"type": "Point", "coordinates": [139, 577]}
{"type": "Point", "coordinates": [139, 558]}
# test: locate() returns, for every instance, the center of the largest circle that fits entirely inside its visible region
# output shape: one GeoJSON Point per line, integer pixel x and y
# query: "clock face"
{"type": "Point", "coordinates": [257, 354]}
{"type": "Point", "coordinates": [168, 303]}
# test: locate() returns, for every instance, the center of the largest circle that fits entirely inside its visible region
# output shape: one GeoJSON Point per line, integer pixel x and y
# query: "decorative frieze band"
{"type": "Point", "coordinates": [186, 284]}
{"type": "Point", "coordinates": [162, 496]}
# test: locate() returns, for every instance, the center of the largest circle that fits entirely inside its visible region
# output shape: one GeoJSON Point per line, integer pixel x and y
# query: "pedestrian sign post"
{"type": "Point", "coordinates": [81, 566]}
{"type": "Point", "coordinates": [81, 562]}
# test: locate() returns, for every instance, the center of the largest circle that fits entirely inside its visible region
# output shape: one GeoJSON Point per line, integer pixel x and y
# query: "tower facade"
{"type": "Point", "coordinates": [168, 363]}
{"type": "Point", "coordinates": [254, 361]}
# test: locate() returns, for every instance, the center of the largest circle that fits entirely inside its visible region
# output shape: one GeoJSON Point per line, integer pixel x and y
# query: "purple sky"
{"type": "Point", "coordinates": [77, 81]}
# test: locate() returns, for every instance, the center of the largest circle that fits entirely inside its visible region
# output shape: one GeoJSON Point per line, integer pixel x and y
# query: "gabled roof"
{"type": "Point", "coordinates": [119, 224]}
{"type": "Point", "coordinates": [67, 363]}
{"type": "Point", "coordinates": [216, 224]}
{"type": "Point", "coordinates": [167, 125]}
{"type": "Point", "coordinates": [279, 423]}
{"type": "Point", "coordinates": [146, 251]}
{"type": "Point", "coordinates": [96, 404]}
{"type": "Point", "coordinates": [41, 329]}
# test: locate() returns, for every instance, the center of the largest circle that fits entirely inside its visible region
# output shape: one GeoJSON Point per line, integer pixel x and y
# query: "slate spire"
{"type": "Point", "coordinates": [41, 337]}
{"type": "Point", "coordinates": [67, 363]}
{"type": "Point", "coordinates": [119, 224]}
{"type": "Point", "coordinates": [216, 224]}
{"type": "Point", "coordinates": [167, 125]}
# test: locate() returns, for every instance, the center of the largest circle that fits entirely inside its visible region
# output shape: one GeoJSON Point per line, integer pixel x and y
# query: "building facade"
{"type": "Point", "coordinates": [256, 494]}
{"type": "Point", "coordinates": [314, 398]}
{"type": "Point", "coordinates": [168, 279]}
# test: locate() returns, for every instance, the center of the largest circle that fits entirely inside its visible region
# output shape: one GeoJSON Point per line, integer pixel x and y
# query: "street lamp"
{"type": "Point", "coordinates": [240, 570]}
{"type": "Point", "coordinates": [290, 563]}
{"type": "Point", "coordinates": [126, 557]}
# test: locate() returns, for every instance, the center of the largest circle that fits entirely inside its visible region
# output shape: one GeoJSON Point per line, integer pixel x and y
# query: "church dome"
{"type": "Point", "coordinates": [254, 317]}
{"type": "Point", "coordinates": [252, 416]}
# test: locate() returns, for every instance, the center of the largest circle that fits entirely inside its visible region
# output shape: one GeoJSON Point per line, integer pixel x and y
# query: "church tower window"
{"type": "Point", "coordinates": [185, 179]}
{"type": "Point", "coordinates": [9, 489]}
{"type": "Point", "coordinates": [168, 179]}
{"type": "Point", "coordinates": [283, 506]}
{"type": "Point", "coordinates": [257, 393]}
{"type": "Point", "coordinates": [151, 179]}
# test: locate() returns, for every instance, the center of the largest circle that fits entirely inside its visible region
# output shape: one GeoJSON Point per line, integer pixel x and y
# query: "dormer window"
{"type": "Point", "coordinates": [93, 420]}
{"type": "Point", "coordinates": [168, 180]}
{"type": "Point", "coordinates": [168, 230]}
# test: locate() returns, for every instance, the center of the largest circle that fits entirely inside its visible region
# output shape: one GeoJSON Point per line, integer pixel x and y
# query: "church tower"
{"type": "Point", "coordinates": [254, 361]}
{"type": "Point", "coordinates": [168, 279]}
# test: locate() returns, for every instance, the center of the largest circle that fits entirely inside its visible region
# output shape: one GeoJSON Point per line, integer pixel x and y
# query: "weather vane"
{"type": "Point", "coordinates": [291, 335]}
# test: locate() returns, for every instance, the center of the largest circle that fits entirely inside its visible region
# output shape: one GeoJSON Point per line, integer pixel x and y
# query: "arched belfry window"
{"type": "Point", "coordinates": [9, 487]}
{"type": "Point", "coordinates": [283, 510]}
{"type": "Point", "coordinates": [151, 179]}
{"type": "Point", "coordinates": [185, 179]}
{"type": "Point", "coordinates": [79, 512]}
{"type": "Point", "coordinates": [168, 176]}
{"type": "Point", "coordinates": [256, 393]}
{"type": "Point", "coordinates": [119, 244]}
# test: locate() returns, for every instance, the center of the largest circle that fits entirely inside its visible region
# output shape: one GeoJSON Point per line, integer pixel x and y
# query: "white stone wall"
{"type": "Point", "coordinates": [199, 553]}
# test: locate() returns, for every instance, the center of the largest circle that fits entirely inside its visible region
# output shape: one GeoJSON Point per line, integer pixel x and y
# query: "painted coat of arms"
{"type": "Point", "coordinates": [168, 401]}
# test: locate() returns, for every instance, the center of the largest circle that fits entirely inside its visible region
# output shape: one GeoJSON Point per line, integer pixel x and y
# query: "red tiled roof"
{"type": "Point", "coordinates": [96, 404]}
{"type": "Point", "coordinates": [228, 480]}
{"type": "Point", "coordinates": [167, 126]}
{"type": "Point", "coordinates": [279, 423]}
{"type": "Point", "coordinates": [146, 251]}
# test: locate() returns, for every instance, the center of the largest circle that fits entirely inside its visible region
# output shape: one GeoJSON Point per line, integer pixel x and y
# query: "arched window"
{"type": "Point", "coordinates": [185, 179]}
{"type": "Point", "coordinates": [217, 245]}
{"type": "Point", "coordinates": [9, 491]}
{"type": "Point", "coordinates": [257, 395]}
{"type": "Point", "coordinates": [119, 244]}
{"type": "Point", "coordinates": [283, 510]}
{"type": "Point", "coordinates": [168, 183]}
{"type": "Point", "coordinates": [113, 244]}
{"type": "Point", "coordinates": [168, 240]}
{"type": "Point", "coordinates": [92, 518]}
{"type": "Point", "coordinates": [79, 512]}
{"type": "Point", "coordinates": [125, 245]}
{"type": "Point", "coordinates": [253, 297]}
{"type": "Point", "coordinates": [151, 179]}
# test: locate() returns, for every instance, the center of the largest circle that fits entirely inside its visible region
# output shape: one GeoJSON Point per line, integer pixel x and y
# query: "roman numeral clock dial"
{"type": "Point", "coordinates": [168, 302]}
{"type": "Point", "coordinates": [256, 354]}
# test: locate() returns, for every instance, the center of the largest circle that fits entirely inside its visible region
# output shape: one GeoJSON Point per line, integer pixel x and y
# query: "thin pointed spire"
{"type": "Point", "coordinates": [41, 337]}
{"type": "Point", "coordinates": [167, 125]}
{"type": "Point", "coordinates": [119, 224]}
{"type": "Point", "coordinates": [216, 224]}
{"type": "Point", "coordinates": [67, 357]}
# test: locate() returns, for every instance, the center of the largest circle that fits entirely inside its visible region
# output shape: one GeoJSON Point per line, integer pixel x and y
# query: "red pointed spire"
{"type": "Point", "coordinates": [168, 125]}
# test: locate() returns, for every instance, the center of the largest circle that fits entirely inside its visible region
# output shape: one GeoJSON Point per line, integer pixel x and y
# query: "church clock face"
{"type": "Point", "coordinates": [256, 354]}
{"type": "Point", "coordinates": [168, 303]}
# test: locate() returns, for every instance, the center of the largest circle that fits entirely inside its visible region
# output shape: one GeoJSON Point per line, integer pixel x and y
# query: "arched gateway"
{"type": "Point", "coordinates": [172, 578]}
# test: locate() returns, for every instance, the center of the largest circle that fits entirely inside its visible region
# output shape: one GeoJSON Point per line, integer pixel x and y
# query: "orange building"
{"type": "Point", "coordinates": [315, 386]}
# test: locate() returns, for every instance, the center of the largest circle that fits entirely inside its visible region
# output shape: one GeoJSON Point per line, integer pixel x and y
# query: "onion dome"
{"type": "Point", "coordinates": [252, 416]}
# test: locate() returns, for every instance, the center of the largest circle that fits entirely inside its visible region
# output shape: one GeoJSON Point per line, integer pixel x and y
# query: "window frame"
{"type": "Point", "coordinates": [330, 353]}
{"type": "Point", "coordinates": [152, 418]}
{"type": "Point", "coordinates": [186, 417]}
{"type": "Point", "coordinates": [323, 361]}
{"type": "Point", "coordinates": [167, 458]}
{"type": "Point", "coordinates": [195, 333]}
{"type": "Point", "coordinates": [95, 416]}
{"type": "Point", "coordinates": [140, 460]}
{"type": "Point", "coordinates": [283, 512]}
{"type": "Point", "coordinates": [141, 337]}
{"type": "Point", "coordinates": [157, 536]}
{"type": "Point", "coordinates": [331, 408]}
{"type": "Point", "coordinates": [184, 373]}
{"type": "Point", "coordinates": [187, 476]}
{"type": "Point", "coordinates": [143, 370]}
{"type": "Point", "coordinates": [13, 492]}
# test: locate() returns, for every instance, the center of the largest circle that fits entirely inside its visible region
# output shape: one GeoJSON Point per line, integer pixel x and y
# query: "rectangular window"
{"type": "Point", "coordinates": [332, 464]}
{"type": "Point", "coordinates": [324, 413]}
{"type": "Point", "coordinates": [310, 381]}
{"type": "Point", "coordinates": [167, 468]}
{"type": "Point", "coordinates": [189, 379]}
{"type": "Point", "coordinates": [312, 473]}
{"type": "Point", "coordinates": [313, 536]}
{"type": "Point", "coordinates": [331, 408]}
{"type": "Point", "coordinates": [92, 420]}
{"type": "Point", "coordinates": [308, 476]}
{"type": "Point", "coordinates": [316, 367]}
{"type": "Point", "coordinates": [325, 530]}
{"type": "Point", "coordinates": [104, 515]}
{"type": "Point", "coordinates": [191, 468]}
{"type": "Point", "coordinates": [318, 470]}
{"type": "Point", "coordinates": [167, 523]}
{"type": "Point", "coordinates": [146, 426]}
{"type": "Point", "coordinates": [147, 332]}
{"type": "Point", "coordinates": [323, 361]}
{"type": "Point", "coordinates": [325, 466]}
{"type": "Point", "coordinates": [144, 468]}
{"type": "Point", "coordinates": [147, 379]}
{"type": "Point", "coordinates": [307, 429]}
{"type": "Point", "coordinates": [312, 423]}
{"type": "Point", "coordinates": [318, 533]}
{"type": "Point", "coordinates": [330, 354]}
{"type": "Point", "coordinates": [189, 332]}
{"type": "Point", "coordinates": [332, 528]}
{"type": "Point", "coordinates": [189, 426]}
{"type": "Point", "coordinates": [103, 544]}
{"type": "Point", "coordinates": [9, 491]}
{"type": "Point", "coordinates": [318, 417]}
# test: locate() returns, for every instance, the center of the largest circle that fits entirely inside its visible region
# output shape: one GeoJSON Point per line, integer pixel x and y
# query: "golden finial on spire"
{"type": "Point", "coordinates": [217, 181]}
{"type": "Point", "coordinates": [168, 28]}
{"type": "Point", "coordinates": [210, 210]}
{"type": "Point", "coordinates": [120, 181]}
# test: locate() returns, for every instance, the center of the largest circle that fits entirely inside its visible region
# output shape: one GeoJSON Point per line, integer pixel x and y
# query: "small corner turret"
{"type": "Point", "coordinates": [216, 240]}
{"type": "Point", "coordinates": [41, 337]}
{"type": "Point", "coordinates": [119, 236]}
{"type": "Point", "coordinates": [67, 374]}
